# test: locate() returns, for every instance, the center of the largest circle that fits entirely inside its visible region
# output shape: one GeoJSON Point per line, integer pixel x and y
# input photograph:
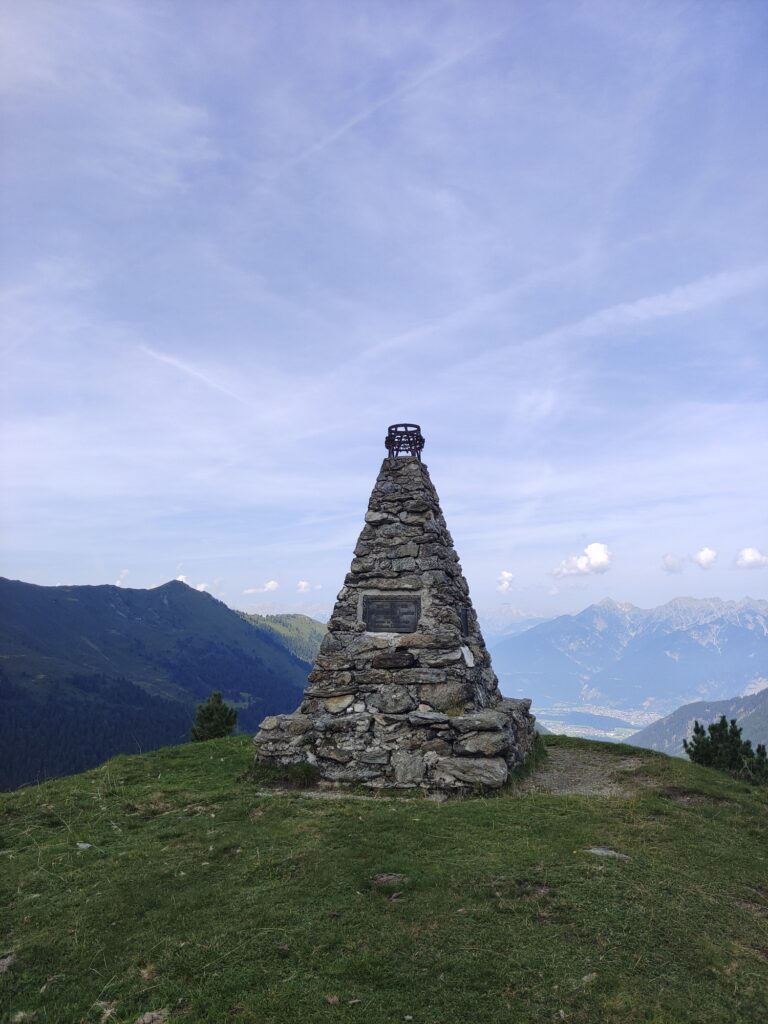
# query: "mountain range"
{"type": "Point", "coordinates": [90, 671]}
{"type": "Point", "coordinates": [632, 665]}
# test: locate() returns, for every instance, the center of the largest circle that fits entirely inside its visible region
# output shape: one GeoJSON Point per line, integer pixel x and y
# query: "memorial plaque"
{"type": "Point", "coordinates": [391, 614]}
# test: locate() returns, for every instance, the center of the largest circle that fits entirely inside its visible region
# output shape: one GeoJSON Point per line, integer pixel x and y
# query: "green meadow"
{"type": "Point", "coordinates": [206, 894]}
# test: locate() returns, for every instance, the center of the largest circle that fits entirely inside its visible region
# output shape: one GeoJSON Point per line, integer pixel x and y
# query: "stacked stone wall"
{"type": "Point", "coordinates": [419, 708]}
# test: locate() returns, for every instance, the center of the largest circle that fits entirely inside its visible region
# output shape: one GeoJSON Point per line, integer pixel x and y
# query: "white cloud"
{"type": "Point", "coordinates": [120, 581]}
{"type": "Point", "coordinates": [182, 579]}
{"type": "Point", "coordinates": [505, 580]}
{"type": "Point", "coordinates": [268, 588]}
{"type": "Point", "coordinates": [303, 586]}
{"type": "Point", "coordinates": [596, 558]}
{"type": "Point", "coordinates": [705, 558]}
{"type": "Point", "coordinates": [672, 563]}
{"type": "Point", "coordinates": [201, 587]}
{"type": "Point", "coordinates": [751, 558]}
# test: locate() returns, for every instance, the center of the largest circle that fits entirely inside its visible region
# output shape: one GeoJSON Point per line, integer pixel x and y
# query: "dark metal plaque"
{"type": "Point", "coordinates": [391, 614]}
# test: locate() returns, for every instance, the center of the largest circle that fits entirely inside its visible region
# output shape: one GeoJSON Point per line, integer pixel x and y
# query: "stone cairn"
{"type": "Point", "coordinates": [402, 693]}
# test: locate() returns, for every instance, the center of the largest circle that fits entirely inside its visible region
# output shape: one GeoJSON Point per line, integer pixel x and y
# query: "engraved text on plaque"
{"type": "Point", "coordinates": [391, 614]}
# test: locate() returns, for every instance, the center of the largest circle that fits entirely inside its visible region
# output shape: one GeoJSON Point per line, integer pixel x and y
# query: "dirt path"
{"type": "Point", "coordinates": [582, 772]}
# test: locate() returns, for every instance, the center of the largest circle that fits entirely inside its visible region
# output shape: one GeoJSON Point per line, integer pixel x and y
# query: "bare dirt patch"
{"type": "Point", "coordinates": [689, 797]}
{"type": "Point", "coordinates": [582, 773]}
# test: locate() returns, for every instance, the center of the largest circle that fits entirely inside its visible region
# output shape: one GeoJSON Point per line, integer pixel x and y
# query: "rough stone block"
{"type": "Point", "coordinates": [391, 699]}
{"type": "Point", "coordinates": [480, 720]}
{"type": "Point", "coordinates": [471, 771]}
{"type": "Point", "coordinates": [489, 744]}
{"type": "Point", "coordinates": [393, 660]}
{"type": "Point", "coordinates": [445, 696]}
{"type": "Point", "coordinates": [408, 768]}
{"type": "Point", "coordinates": [441, 659]}
{"type": "Point", "coordinates": [375, 757]}
{"type": "Point", "coordinates": [437, 746]}
{"type": "Point", "coordinates": [296, 724]}
{"type": "Point", "coordinates": [431, 718]}
{"type": "Point", "coordinates": [335, 705]}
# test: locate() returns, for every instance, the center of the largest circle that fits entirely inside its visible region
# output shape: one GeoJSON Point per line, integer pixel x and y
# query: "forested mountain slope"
{"type": "Point", "coordinates": [88, 672]}
{"type": "Point", "coordinates": [668, 733]}
{"type": "Point", "coordinates": [301, 634]}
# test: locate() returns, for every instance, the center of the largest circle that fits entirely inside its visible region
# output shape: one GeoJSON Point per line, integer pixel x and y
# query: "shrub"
{"type": "Point", "coordinates": [213, 719]}
{"type": "Point", "coordinates": [721, 746]}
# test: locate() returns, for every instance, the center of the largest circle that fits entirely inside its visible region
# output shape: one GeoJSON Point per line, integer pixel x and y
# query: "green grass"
{"type": "Point", "coordinates": [203, 895]}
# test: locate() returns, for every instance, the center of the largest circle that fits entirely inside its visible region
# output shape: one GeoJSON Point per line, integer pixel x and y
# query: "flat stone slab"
{"type": "Point", "coordinates": [606, 851]}
{"type": "Point", "coordinates": [479, 721]}
{"type": "Point", "coordinates": [472, 771]}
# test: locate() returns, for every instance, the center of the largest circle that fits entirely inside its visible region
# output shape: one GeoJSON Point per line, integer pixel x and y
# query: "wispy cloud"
{"type": "Point", "coordinates": [191, 371]}
{"type": "Point", "coordinates": [268, 588]}
{"type": "Point", "coordinates": [696, 295]}
{"type": "Point", "coordinates": [621, 317]}
{"type": "Point", "coordinates": [672, 564]}
{"type": "Point", "coordinates": [438, 68]}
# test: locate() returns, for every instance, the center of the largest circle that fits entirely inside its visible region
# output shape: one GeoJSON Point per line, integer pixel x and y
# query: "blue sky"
{"type": "Point", "coordinates": [242, 238]}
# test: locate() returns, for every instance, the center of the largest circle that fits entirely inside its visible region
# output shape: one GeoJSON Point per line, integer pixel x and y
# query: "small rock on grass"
{"type": "Point", "coordinates": [332, 1000]}
{"type": "Point", "coordinates": [605, 851]}
{"type": "Point", "coordinates": [6, 959]}
{"type": "Point", "coordinates": [153, 1017]}
{"type": "Point", "coordinates": [389, 878]}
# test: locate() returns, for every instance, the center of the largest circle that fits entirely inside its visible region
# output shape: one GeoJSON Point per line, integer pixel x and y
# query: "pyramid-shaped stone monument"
{"type": "Point", "coordinates": [402, 693]}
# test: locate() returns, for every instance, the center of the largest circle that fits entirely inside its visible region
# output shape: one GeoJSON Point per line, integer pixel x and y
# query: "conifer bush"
{"type": "Point", "coordinates": [213, 719]}
{"type": "Point", "coordinates": [720, 746]}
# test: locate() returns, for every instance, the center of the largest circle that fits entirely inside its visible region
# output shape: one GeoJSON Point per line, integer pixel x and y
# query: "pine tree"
{"type": "Point", "coordinates": [721, 746]}
{"type": "Point", "coordinates": [213, 719]}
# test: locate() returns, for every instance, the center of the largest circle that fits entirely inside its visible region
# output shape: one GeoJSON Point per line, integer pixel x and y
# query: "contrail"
{"type": "Point", "coordinates": [191, 371]}
{"type": "Point", "coordinates": [353, 122]}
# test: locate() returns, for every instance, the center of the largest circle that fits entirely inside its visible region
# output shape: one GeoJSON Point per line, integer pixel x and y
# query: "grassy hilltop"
{"type": "Point", "coordinates": [205, 894]}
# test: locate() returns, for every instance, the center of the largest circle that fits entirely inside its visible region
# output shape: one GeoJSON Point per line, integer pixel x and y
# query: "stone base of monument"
{"type": "Point", "coordinates": [402, 749]}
